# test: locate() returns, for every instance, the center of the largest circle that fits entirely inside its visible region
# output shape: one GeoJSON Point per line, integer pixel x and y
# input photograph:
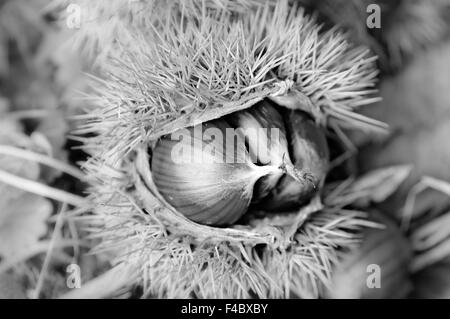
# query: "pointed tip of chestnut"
{"type": "Point", "coordinates": [310, 156]}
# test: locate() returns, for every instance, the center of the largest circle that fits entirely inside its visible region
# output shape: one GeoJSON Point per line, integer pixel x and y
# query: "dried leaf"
{"type": "Point", "coordinates": [10, 134]}
{"type": "Point", "coordinates": [381, 183]}
{"type": "Point", "coordinates": [22, 223]}
{"type": "Point", "coordinates": [375, 186]}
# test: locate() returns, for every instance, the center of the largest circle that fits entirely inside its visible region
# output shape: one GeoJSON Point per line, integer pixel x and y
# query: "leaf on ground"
{"type": "Point", "coordinates": [10, 134]}
{"type": "Point", "coordinates": [382, 183]}
{"type": "Point", "coordinates": [375, 186]}
{"type": "Point", "coordinates": [22, 223]}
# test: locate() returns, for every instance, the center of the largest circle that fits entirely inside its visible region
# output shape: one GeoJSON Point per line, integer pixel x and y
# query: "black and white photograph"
{"type": "Point", "coordinates": [224, 153]}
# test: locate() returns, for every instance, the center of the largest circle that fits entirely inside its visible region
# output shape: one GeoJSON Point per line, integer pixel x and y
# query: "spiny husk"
{"type": "Point", "coordinates": [174, 69]}
{"type": "Point", "coordinates": [217, 64]}
{"type": "Point", "coordinates": [276, 256]}
{"type": "Point", "coordinates": [269, 258]}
